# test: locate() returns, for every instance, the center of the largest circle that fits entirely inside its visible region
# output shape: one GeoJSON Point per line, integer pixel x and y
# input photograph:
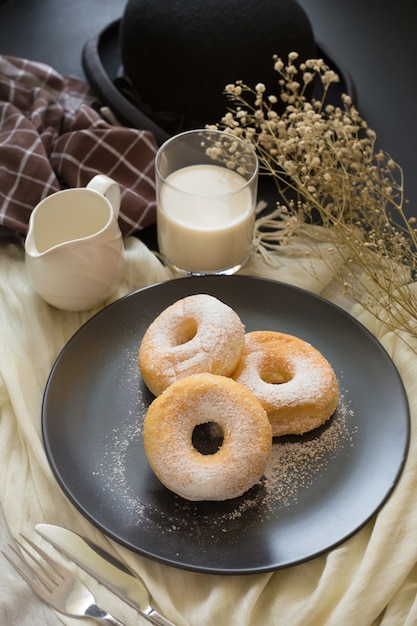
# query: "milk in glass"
{"type": "Point", "coordinates": [205, 218]}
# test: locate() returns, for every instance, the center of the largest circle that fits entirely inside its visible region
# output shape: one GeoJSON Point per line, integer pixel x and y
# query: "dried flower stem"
{"type": "Point", "coordinates": [327, 170]}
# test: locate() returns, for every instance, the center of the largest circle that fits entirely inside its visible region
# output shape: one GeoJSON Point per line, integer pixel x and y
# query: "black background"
{"type": "Point", "coordinates": [376, 41]}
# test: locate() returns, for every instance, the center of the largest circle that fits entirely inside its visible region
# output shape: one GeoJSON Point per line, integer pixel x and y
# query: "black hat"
{"type": "Point", "coordinates": [164, 65]}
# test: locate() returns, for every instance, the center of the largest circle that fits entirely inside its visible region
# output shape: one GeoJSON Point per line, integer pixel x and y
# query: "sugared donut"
{"type": "Point", "coordinates": [292, 380]}
{"type": "Point", "coordinates": [196, 334]}
{"type": "Point", "coordinates": [168, 429]}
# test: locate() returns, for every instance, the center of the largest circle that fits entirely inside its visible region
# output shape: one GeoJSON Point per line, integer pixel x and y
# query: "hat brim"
{"type": "Point", "coordinates": [102, 65]}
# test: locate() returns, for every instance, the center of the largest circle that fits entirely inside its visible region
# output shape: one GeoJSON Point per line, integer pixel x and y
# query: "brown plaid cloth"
{"type": "Point", "coordinates": [52, 137]}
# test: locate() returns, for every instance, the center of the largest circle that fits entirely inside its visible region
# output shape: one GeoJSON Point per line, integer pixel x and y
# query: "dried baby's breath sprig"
{"type": "Point", "coordinates": [327, 169]}
{"type": "Point", "coordinates": [232, 153]}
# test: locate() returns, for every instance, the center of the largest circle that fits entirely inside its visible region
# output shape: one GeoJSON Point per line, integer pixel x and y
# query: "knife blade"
{"type": "Point", "coordinates": [105, 568]}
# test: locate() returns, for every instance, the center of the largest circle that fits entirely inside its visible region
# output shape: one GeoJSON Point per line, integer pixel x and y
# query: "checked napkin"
{"type": "Point", "coordinates": [52, 136]}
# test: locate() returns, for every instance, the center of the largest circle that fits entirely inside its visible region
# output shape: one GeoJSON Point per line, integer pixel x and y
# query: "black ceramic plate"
{"type": "Point", "coordinates": [320, 488]}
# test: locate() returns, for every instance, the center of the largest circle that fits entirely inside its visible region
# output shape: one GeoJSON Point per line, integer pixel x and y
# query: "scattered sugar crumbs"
{"type": "Point", "coordinates": [297, 463]}
{"type": "Point", "coordinates": [297, 466]}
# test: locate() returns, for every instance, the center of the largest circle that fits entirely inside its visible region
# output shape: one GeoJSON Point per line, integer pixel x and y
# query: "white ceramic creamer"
{"type": "Point", "coordinates": [74, 246]}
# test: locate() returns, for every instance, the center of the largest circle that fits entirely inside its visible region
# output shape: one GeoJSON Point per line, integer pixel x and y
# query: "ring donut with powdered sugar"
{"type": "Point", "coordinates": [240, 460]}
{"type": "Point", "coordinates": [292, 380]}
{"type": "Point", "coordinates": [196, 334]}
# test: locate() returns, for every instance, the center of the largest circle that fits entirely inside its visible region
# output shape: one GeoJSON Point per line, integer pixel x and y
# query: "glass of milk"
{"type": "Point", "coordinates": [206, 187]}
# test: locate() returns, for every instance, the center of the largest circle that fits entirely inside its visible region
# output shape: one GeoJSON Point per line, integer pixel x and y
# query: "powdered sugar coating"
{"type": "Point", "coordinates": [293, 381]}
{"type": "Point", "coordinates": [196, 334]}
{"type": "Point", "coordinates": [206, 398]}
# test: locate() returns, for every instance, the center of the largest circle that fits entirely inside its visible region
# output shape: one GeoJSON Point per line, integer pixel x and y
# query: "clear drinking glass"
{"type": "Point", "coordinates": [206, 186]}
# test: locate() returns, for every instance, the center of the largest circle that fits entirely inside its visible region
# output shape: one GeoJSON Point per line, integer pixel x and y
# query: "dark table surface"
{"type": "Point", "coordinates": [376, 41]}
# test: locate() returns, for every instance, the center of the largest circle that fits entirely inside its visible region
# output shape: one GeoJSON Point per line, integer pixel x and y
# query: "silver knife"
{"type": "Point", "coordinates": [105, 568]}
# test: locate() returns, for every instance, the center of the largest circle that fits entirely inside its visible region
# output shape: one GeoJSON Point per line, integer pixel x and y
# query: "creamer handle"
{"type": "Point", "coordinates": [108, 188]}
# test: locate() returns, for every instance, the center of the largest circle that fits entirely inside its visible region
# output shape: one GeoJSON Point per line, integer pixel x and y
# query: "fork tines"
{"type": "Point", "coordinates": [40, 574]}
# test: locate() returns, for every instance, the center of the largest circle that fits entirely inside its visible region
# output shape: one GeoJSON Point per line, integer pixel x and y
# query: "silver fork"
{"type": "Point", "coordinates": [57, 586]}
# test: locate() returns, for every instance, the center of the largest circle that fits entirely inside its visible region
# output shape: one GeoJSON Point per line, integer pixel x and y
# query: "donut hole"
{"type": "Point", "coordinates": [185, 332]}
{"type": "Point", "coordinates": [207, 438]}
{"type": "Point", "coordinates": [275, 376]}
